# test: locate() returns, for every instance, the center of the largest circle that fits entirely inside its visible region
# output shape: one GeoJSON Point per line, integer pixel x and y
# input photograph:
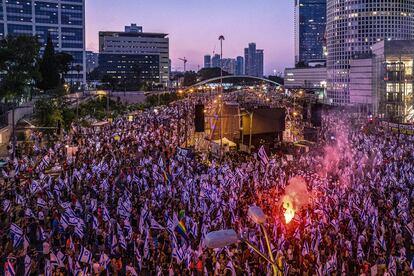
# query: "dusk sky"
{"type": "Point", "coordinates": [195, 25]}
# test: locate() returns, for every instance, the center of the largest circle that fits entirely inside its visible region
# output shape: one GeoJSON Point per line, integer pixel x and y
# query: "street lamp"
{"type": "Point", "coordinates": [223, 238]}
{"type": "Point", "coordinates": [221, 38]}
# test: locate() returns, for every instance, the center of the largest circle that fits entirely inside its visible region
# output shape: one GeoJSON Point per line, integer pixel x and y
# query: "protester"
{"type": "Point", "coordinates": [131, 202]}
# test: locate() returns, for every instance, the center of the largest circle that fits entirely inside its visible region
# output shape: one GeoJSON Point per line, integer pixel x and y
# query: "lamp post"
{"type": "Point", "coordinates": [221, 38]}
{"type": "Point", "coordinates": [222, 238]}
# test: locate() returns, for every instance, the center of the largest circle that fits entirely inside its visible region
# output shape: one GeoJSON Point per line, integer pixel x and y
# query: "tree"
{"type": "Point", "coordinates": [209, 73]}
{"type": "Point", "coordinates": [63, 62]}
{"type": "Point", "coordinates": [49, 67]}
{"type": "Point", "coordinates": [110, 81]}
{"type": "Point", "coordinates": [18, 64]}
{"type": "Point", "coordinates": [277, 79]}
{"type": "Point", "coordinates": [190, 78]}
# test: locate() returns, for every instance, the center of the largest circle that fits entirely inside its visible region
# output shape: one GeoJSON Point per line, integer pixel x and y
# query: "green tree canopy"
{"type": "Point", "coordinates": [49, 68]}
{"type": "Point", "coordinates": [63, 62]}
{"type": "Point", "coordinates": [18, 65]}
{"type": "Point", "coordinates": [190, 78]}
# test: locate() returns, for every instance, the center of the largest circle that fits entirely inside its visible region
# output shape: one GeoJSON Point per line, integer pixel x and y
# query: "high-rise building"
{"type": "Point", "coordinates": [91, 61]}
{"type": "Point", "coordinates": [154, 47]}
{"type": "Point", "coordinates": [253, 61]}
{"type": "Point", "coordinates": [310, 24]}
{"type": "Point", "coordinates": [216, 61]}
{"type": "Point", "coordinates": [239, 66]}
{"type": "Point", "coordinates": [207, 61]}
{"type": "Point", "coordinates": [260, 63]}
{"type": "Point", "coordinates": [63, 20]}
{"type": "Point", "coordinates": [353, 27]}
{"type": "Point", "coordinates": [229, 65]}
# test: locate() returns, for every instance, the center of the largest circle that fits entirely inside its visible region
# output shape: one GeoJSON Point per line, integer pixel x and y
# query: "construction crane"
{"type": "Point", "coordinates": [185, 63]}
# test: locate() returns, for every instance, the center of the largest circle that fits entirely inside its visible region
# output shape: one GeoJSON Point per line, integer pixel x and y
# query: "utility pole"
{"type": "Point", "coordinates": [221, 38]}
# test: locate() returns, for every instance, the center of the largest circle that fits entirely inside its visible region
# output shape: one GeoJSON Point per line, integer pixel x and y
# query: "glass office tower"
{"type": "Point", "coordinates": [63, 20]}
{"type": "Point", "coordinates": [310, 24]}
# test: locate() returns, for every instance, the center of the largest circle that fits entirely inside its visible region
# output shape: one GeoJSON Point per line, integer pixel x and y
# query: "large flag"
{"type": "Point", "coordinates": [263, 156]}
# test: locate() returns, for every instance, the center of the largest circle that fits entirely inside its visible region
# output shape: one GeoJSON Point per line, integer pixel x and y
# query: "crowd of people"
{"type": "Point", "coordinates": [126, 199]}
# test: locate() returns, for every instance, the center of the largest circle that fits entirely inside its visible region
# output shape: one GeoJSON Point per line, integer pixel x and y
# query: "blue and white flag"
{"type": "Point", "coordinates": [20, 200]}
{"type": "Point", "coordinates": [34, 187]}
{"type": "Point", "coordinates": [48, 268]}
{"type": "Point", "coordinates": [27, 265]}
{"type": "Point", "coordinates": [85, 256]}
{"type": "Point", "coordinates": [392, 266]}
{"type": "Point", "coordinates": [104, 261]}
{"type": "Point", "coordinates": [17, 233]}
{"type": "Point", "coordinates": [41, 203]}
{"type": "Point", "coordinates": [230, 267]}
{"type": "Point", "coordinates": [263, 156]}
{"type": "Point", "coordinates": [7, 205]}
{"type": "Point", "coordinates": [105, 214]}
{"type": "Point", "coordinates": [95, 223]}
{"type": "Point", "coordinates": [94, 204]}
{"type": "Point", "coordinates": [155, 225]}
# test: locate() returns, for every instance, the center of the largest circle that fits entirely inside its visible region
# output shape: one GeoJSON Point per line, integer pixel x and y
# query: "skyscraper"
{"type": "Point", "coordinates": [64, 20]}
{"type": "Point", "coordinates": [259, 63]}
{"type": "Point", "coordinates": [239, 66]}
{"type": "Point", "coordinates": [352, 28]}
{"type": "Point", "coordinates": [207, 61]}
{"type": "Point", "coordinates": [229, 65]}
{"type": "Point", "coordinates": [216, 61]}
{"type": "Point", "coordinates": [253, 61]}
{"type": "Point", "coordinates": [310, 24]}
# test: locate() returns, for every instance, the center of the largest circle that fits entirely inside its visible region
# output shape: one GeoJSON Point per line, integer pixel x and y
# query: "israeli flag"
{"type": "Point", "coordinates": [41, 203]}
{"type": "Point", "coordinates": [263, 156]}
{"type": "Point", "coordinates": [17, 234]}
{"type": "Point", "coordinates": [6, 206]}
{"type": "Point", "coordinates": [79, 231]}
{"type": "Point", "coordinates": [34, 187]}
{"type": "Point", "coordinates": [29, 213]}
{"type": "Point", "coordinates": [95, 223]}
{"type": "Point", "coordinates": [105, 215]}
{"type": "Point", "coordinates": [93, 204]}
{"type": "Point", "coordinates": [20, 199]}
{"type": "Point", "coordinates": [104, 260]}
{"type": "Point", "coordinates": [27, 265]}
{"type": "Point", "coordinates": [85, 256]}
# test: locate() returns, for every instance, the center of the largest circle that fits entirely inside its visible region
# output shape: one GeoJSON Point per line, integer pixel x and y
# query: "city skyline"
{"type": "Point", "coordinates": [269, 24]}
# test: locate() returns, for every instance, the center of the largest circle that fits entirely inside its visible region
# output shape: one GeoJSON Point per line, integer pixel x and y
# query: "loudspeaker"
{"type": "Point", "coordinates": [199, 118]}
{"type": "Point", "coordinates": [316, 115]}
